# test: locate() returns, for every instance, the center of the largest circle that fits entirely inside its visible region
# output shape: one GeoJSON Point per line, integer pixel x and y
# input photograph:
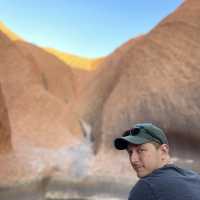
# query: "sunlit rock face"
{"type": "Point", "coordinates": [34, 111]}
{"type": "Point", "coordinates": [55, 76]}
{"type": "Point", "coordinates": [39, 116]}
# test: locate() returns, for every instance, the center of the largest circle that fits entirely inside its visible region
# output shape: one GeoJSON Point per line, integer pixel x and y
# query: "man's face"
{"type": "Point", "coordinates": [145, 158]}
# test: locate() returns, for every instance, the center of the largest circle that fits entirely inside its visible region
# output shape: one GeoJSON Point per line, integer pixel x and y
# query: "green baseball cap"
{"type": "Point", "coordinates": [140, 134]}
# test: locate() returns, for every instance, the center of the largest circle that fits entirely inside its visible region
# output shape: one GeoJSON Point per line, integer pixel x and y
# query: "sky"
{"type": "Point", "coordinates": [88, 28]}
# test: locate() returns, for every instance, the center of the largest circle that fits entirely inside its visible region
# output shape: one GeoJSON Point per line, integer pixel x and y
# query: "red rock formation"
{"type": "Point", "coordinates": [160, 77]}
{"type": "Point", "coordinates": [39, 118]}
{"type": "Point", "coordinates": [154, 79]}
{"type": "Point", "coordinates": [36, 106]}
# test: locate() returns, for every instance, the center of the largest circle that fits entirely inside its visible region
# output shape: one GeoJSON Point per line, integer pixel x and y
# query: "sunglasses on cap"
{"type": "Point", "coordinates": [135, 131]}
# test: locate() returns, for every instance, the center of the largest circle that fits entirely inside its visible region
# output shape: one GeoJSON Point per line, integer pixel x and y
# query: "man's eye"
{"type": "Point", "coordinates": [141, 150]}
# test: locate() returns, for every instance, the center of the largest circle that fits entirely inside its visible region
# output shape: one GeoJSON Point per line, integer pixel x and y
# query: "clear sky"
{"type": "Point", "coordinates": [90, 28]}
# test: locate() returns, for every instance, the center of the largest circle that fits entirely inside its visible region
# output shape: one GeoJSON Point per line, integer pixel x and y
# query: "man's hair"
{"type": "Point", "coordinates": [156, 144]}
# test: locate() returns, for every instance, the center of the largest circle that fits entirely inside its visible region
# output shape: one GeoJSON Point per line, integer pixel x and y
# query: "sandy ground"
{"type": "Point", "coordinates": [65, 190]}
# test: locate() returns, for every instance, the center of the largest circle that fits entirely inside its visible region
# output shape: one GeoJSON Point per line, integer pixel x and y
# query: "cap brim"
{"type": "Point", "coordinates": [122, 142]}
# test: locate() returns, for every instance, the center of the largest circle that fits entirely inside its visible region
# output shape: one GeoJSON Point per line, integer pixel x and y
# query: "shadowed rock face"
{"type": "Point", "coordinates": [99, 88]}
{"type": "Point", "coordinates": [5, 132]}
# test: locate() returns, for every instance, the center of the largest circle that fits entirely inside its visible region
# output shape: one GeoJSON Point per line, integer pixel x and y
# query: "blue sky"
{"type": "Point", "coordinates": [90, 28]}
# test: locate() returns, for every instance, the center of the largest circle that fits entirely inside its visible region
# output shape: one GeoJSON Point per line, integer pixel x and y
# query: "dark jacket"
{"type": "Point", "coordinates": [167, 183]}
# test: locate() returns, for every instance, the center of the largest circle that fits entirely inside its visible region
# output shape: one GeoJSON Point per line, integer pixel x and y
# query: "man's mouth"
{"type": "Point", "coordinates": [137, 168]}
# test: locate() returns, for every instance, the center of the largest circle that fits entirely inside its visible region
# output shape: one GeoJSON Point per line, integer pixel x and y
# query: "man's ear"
{"type": "Point", "coordinates": [164, 148]}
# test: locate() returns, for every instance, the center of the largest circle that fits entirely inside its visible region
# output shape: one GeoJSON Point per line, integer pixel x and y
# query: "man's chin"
{"type": "Point", "coordinates": [141, 173]}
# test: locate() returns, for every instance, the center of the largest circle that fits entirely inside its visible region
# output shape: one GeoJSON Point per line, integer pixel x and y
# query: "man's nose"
{"type": "Point", "coordinates": [134, 156]}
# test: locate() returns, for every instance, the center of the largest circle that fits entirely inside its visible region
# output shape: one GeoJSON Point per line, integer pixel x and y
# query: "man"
{"type": "Point", "coordinates": [148, 151]}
